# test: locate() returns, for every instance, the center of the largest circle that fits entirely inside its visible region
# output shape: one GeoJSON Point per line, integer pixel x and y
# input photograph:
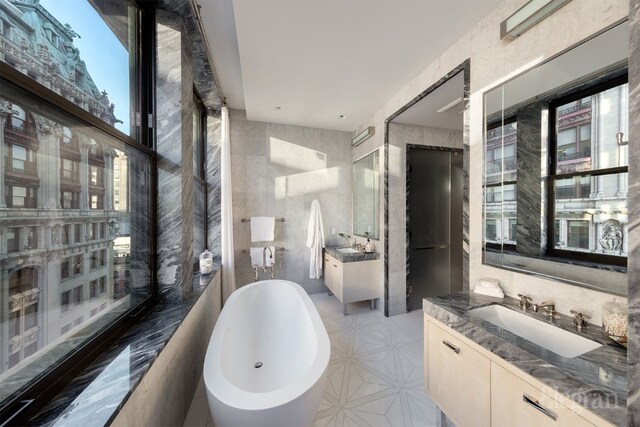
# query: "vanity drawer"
{"type": "Point", "coordinates": [458, 379]}
{"type": "Point", "coordinates": [516, 402]}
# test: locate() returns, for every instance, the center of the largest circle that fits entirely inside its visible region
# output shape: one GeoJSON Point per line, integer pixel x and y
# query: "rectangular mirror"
{"type": "Point", "coordinates": [555, 167]}
{"type": "Point", "coordinates": [366, 196]}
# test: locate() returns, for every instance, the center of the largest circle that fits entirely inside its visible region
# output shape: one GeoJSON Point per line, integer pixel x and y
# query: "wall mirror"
{"type": "Point", "coordinates": [555, 167]}
{"type": "Point", "coordinates": [366, 196]}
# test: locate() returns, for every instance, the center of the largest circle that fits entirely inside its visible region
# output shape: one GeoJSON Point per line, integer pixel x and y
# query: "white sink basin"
{"type": "Point", "coordinates": [348, 251]}
{"type": "Point", "coordinates": [552, 338]}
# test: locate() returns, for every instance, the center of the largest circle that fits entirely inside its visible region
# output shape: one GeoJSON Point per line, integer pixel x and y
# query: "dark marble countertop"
{"type": "Point", "coordinates": [596, 380]}
{"type": "Point", "coordinates": [98, 393]}
{"type": "Point", "coordinates": [354, 257]}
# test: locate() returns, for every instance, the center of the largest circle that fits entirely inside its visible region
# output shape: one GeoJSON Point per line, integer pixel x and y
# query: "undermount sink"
{"type": "Point", "coordinates": [348, 251]}
{"type": "Point", "coordinates": [548, 336]}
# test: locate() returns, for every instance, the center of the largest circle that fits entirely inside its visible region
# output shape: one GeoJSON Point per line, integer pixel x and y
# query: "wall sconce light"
{"type": "Point", "coordinates": [363, 136]}
{"type": "Point", "coordinates": [528, 16]}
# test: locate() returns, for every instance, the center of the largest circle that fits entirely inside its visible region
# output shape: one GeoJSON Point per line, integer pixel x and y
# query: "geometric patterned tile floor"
{"type": "Point", "coordinates": [375, 375]}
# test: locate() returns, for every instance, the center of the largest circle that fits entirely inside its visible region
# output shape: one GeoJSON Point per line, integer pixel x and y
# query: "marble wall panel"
{"type": "Point", "coordinates": [278, 170]}
{"type": "Point", "coordinates": [633, 353]}
{"type": "Point", "coordinates": [214, 242]}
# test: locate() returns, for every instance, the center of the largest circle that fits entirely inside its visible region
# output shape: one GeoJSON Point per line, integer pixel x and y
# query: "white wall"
{"type": "Point", "coordinates": [278, 170]}
{"type": "Point", "coordinates": [492, 62]}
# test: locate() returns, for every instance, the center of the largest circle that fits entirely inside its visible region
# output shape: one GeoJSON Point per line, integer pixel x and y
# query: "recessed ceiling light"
{"type": "Point", "coordinates": [278, 108]}
{"type": "Point", "coordinates": [341, 116]}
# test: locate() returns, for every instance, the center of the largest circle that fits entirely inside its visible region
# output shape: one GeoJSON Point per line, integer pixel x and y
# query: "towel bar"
{"type": "Point", "coordinates": [249, 220]}
{"type": "Point", "coordinates": [282, 249]}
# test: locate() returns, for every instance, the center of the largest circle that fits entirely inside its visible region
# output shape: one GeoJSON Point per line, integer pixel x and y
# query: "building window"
{"type": "Point", "coordinates": [492, 229]}
{"type": "Point", "coordinates": [588, 180]}
{"type": "Point", "coordinates": [77, 233]}
{"type": "Point", "coordinates": [77, 265]}
{"type": "Point", "coordinates": [70, 171]}
{"type": "Point", "coordinates": [70, 200]}
{"type": "Point", "coordinates": [23, 303]}
{"type": "Point", "coordinates": [578, 234]}
{"type": "Point", "coordinates": [5, 29]}
{"type": "Point", "coordinates": [97, 201]}
{"type": "Point", "coordinates": [13, 239]}
{"type": "Point", "coordinates": [65, 271]}
{"type": "Point", "coordinates": [77, 170]}
{"type": "Point", "coordinates": [32, 237]}
{"type": "Point", "coordinates": [20, 197]}
{"type": "Point", "coordinates": [65, 300]}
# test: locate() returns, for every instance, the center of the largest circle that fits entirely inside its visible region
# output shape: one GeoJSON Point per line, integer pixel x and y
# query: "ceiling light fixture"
{"type": "Point", "coordinates": [341, 116]}
{"type": "Point", "coordinates": [278, 108]}
{"type": "Point", "coordinates": [528, 16]}
{"type": "Point", "coordinates": [363, 136]}
{"type": "Point", "coordinates": [450, 105]}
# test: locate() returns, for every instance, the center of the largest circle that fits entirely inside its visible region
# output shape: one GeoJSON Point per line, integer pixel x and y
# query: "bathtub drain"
{"type": "Point", "coordinates": [257, 365]}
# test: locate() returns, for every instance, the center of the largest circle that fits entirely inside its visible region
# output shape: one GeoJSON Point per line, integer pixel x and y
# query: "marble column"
{"type": "Point", "coordinates": [633, 263]}
{"type": "Point", "coordinates": [49, 134]}
{"type": "Point", "coordinates": [175, 151]}
{"type": "Point", "coordinates": [528, 152]}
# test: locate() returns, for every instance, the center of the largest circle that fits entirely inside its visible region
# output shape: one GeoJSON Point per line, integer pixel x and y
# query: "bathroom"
{"type": "Point", "coordinates": [139, 134]}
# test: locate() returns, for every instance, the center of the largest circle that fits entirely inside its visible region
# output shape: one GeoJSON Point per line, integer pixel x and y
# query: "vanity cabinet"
{"type": "Point", "coordinates": [516, 402]}
{"type": "Point", "coordinates": [458, 377]}
{"type": "Point", "coordinates": [352, 281]}
{"type": "Point", "coordinates": [475, 387]}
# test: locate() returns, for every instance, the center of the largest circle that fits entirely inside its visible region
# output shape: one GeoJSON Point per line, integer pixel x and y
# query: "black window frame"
{"type": "Point", "coordinates": [47, 385]}
{"type": "Point", "coordinates": [553, 176]}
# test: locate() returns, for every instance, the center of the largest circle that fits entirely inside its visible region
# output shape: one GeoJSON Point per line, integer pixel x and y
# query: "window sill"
{"type": "Point", "coordinates": [117, 372]}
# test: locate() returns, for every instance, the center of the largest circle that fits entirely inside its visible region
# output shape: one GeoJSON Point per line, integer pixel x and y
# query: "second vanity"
{"type": "Point", "coordinates": [352, 275]}
{"type": "Point", "coordinates": [480, 374]}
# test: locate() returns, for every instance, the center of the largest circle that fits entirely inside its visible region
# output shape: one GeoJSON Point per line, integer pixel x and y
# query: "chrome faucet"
{"type": "Point", "coordinates": [579, 320]}
{"type": "Point", "coordinates": [525, 302]}
{"type": "Point", "coordinates": [264, 261]}
{"type": "Point", "coordinates": [550, 308]}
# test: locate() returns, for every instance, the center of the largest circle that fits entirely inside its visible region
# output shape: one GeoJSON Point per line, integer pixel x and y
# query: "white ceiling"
{"type": "Point", "coordinates": [425, 112]}
{"type": "Point", "coordinates": [319, 59]}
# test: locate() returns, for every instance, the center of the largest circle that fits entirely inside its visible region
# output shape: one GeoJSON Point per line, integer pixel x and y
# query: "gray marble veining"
{"type": "Point", "coordinates": [118, 371]}
{"type": "Point", "coordinates": [633, 266]}
{"type": "Point", "coordinates": [351, 257]}
{"type": "Point", "coordinates": [595, 380]}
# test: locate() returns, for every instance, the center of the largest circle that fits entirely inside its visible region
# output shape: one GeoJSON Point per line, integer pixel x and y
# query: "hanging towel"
{"type": "Point", "coordinates": [258, 255]}
{"type": "Point", "coordinates": [262, 228]}
{"type": "Point", "coordinates": [315, 240]}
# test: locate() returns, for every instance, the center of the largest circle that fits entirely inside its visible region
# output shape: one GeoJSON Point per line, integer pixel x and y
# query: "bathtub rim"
{"type": "Point", "coordinates": [231, 395]}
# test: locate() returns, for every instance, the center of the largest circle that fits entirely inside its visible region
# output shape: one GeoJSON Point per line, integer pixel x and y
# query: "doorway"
{"type": "Point", "coordinates": [434, 222]}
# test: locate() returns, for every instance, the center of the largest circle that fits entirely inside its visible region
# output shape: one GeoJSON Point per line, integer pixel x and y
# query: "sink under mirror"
{"type": "Point", "coordinates": [348, 251]}
{"type": "Point", "coordinates": [366, 196]}
{"type": "Point", "coordinates": [555, 167]}
{"type": "Point", "coordinates": [545, 335]}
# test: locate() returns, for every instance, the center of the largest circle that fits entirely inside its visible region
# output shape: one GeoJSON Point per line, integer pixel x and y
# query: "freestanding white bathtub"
{"type": "Point", "coordinates": [267, 358]}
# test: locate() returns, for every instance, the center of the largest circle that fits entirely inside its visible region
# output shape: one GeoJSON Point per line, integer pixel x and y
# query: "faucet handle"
{"type": "Point", "coordinates": [525, 301]}
{"type": "Point", "coordinates": [579, 319]}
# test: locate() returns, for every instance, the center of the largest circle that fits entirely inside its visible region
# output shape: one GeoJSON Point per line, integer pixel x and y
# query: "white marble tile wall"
{"type": "Point", "coordinates": [278, 170]}
{"type": "Point", "coordinates": [492, 62]}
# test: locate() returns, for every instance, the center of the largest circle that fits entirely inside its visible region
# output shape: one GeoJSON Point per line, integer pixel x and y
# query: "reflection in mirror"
{"type": "Point", "coordinates": [366, 196]}
{"type": "Point", "coordinates": [555, 167]}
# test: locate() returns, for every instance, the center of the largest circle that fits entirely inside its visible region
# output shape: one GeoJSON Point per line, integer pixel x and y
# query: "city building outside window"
{"type": "Point", "coordinates": [588, 179]}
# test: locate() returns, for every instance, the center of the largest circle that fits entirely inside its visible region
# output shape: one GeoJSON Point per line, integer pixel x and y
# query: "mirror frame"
{"type": "Point", "coordinates": [376, 227]}
{"type": "Point", "coordinates": [592, 274]}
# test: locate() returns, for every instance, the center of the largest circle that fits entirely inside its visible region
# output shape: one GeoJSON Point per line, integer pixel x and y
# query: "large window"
{"type": "Point", "coordinates": [588, 178]}
{"type": "Point", "coordinates": [67, 88]}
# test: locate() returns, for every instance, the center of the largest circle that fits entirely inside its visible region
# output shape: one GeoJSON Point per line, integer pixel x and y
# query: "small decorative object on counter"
{"type": "Point", "coordinates": [368, 247]}
{"type": "Point", "coordinates": [614, 320]}
{"type": "Point", "coordinates": [206, 262]}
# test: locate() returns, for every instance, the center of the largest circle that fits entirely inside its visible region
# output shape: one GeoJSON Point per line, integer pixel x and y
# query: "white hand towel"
{"type": "Point", "coordinates": [262, 228]}
{"type": "Point", "coordinates": [269, 256]}
{"type": "Point", "coordinates": [315, 240]}
{"type": "Point", "coordinates": [256, 256]}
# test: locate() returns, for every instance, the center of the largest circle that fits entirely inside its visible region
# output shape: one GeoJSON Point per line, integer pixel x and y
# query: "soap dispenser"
{"type": "Point", "coordinates": [368, 247]}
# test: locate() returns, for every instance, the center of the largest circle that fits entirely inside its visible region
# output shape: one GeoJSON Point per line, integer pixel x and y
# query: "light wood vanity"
{"type": "Point", "coordinates": [475, 387]}
{"type": "Point", "coordinates": [352, 281]}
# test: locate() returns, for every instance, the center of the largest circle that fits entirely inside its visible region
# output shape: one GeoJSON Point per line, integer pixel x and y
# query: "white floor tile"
{"type": "Point", "coordinates": [375, 374]}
